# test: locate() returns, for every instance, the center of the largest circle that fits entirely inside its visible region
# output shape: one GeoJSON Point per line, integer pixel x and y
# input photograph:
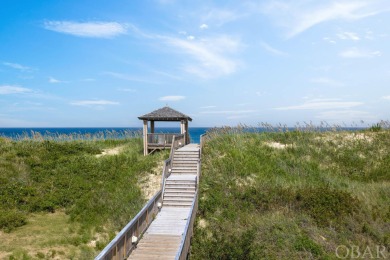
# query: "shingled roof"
{"type": "Point", "coordinates": [165, 114]}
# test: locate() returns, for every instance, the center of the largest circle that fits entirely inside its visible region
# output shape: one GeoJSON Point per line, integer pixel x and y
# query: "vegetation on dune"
{"type": "Point", "coordinates": [292, 194]}
{"type": "Point", "coordinates": [98, 195]}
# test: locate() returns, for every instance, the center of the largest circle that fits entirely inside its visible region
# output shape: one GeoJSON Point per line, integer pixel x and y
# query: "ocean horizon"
{"type": "Point", "coordinates": [103, 132]}
{"type": "Point", "coordinates": [72, 133]}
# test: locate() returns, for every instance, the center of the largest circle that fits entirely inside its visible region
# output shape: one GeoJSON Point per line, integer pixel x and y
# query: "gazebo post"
{"type": "Point", "coordinates": [145, 132]}
{"type": "Point", "coordinates": [187, 141]}
{"type": "Point", "coordinates": [152, 126]}
{"type": "Point", "coordinates": [182, 129]}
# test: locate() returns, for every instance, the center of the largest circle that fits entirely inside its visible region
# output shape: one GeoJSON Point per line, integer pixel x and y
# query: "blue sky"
{"type": "Point", "coordinates": [96, 63]}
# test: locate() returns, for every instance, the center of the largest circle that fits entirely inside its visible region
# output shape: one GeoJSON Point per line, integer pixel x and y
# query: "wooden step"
{"type": "Point", "coordinates": [184, 158]}
{"type": "Point", "coordinates": [178, 189]}
{"type": "Point", "coordinates": [176, 204]}
{"type": "Point", "coordinates": [178, 199]}
{"type": "Point", "coordinates": [181, 195]}
{"type": "Point", "coordinates": [186, 162]}
{"type": "Point", "coordinates": [180, 181]}
{"type": "Point", "coordinates": [182, 187]}
{"type": "Point", "coordinates": [190, 155]}
{"type": "Point", "coordinates": [186, 184]}
{"type": "Point", "coordinates": [173, 180]}
{"type": "Point", "coordinates": [184, 168]}
{"type": "Point", "coordinates": [179, 192]}
{"type": "Point", "coordinates": [187, 171]}
{"type": "Point", "coordinates": [184, 151]}
{"type": "Point", "coordinates": [187, 156]}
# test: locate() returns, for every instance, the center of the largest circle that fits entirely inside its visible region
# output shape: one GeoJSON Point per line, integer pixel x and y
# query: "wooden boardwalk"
{"type": "Point", "coordinates": [163, 238]}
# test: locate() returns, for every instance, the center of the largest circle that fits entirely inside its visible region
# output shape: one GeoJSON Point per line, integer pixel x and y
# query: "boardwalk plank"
{"type": "Point", "coordinates": [163, 237]}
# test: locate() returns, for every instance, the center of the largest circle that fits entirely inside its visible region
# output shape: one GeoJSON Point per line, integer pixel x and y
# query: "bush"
{"type": "Point", "coordinates": [327, 206]}
{"type": "Point", "coordinates": [11, 219]}
{"type": "Point", "coordinates": [299, 199]}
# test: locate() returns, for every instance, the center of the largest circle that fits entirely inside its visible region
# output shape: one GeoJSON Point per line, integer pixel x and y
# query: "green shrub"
{"type": "Point", "coordinates": [11, 219]}
{"type": "Point", "coordinates": [44, 176]}
{"type": "Point", "coordinates": [313, 191]}
{"type": "Point", "coordinates": [327, 206]}
{"type": "Point", "coordinates": [304, 243]}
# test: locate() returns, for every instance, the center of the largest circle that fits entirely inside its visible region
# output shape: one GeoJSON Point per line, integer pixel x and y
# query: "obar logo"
{"type": "Point", "coordinates": [356, 252]}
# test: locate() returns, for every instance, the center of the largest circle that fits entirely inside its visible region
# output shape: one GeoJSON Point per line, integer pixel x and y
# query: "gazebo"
{"type": "Point", "coordinates": [154, 141]}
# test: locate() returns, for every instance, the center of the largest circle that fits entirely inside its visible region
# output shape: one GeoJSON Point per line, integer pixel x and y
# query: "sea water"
{"type": "Point", "coordinates": [104, 132]}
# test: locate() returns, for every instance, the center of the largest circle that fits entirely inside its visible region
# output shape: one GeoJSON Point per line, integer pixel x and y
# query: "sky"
{"type": "Point", "coordinates": [98, 63]}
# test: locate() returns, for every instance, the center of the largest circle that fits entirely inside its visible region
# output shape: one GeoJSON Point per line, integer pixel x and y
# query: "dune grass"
{"type": "Point", "coordinates": [89, 198]}
{"type": "Point", "coordinates": [292, 194]}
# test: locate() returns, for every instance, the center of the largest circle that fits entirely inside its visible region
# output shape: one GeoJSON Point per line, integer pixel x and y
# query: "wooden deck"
{"type": "Point", "coordinates": [163, 238]}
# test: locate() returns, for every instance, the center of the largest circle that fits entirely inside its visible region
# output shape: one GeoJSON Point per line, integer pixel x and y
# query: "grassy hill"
{"type": "Point", "coordinates": [293, 194]}
{"type": "Point", "coordinates": [64, 199]}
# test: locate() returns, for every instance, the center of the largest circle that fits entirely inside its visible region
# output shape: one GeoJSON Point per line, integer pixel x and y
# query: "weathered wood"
{"type": "Point", "coordinates": [122, 244]}
{"type": "Point", "coordinates": [167, 236]}
{"type": "Point", "coordinates": [177, 215]}
{"type": "Point", "coordinates": [145, 134]}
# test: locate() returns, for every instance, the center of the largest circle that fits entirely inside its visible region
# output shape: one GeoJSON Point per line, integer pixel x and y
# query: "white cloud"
{"type": "Point", "coordinates": [272, 50]}
{"type": "Point", "coordinates": [87, 29]}
{"type": "Point", "coordinates": [210, 55]}
{"type": "Point", "coordinates": [386, 97]}
{"type": "Point", "coordinates": [172, 98]}
{"type": "Point", "coordinates": [327, 82]}
{"type": "Point", "coordinates": [300, 15]}
{"type": "Point", "coordinates": [220, 17]}
{"type": "Point", "coordinates": [348, 36]}
{"type": "Point", "coordinates": [204, 26]}
{"type": "Point", "coordinates": [17, 66]}
{"type": "Point", "coordinates": [358, 53]}
{"type": "Point", "coordinates": [168, 75]}
{"type": "Point", "coordinates": [329, 40]}
{"type": "Point", "coordinates": [94, 103]}
{"type": "Point", "coordinates": [54, 81]}
{"type": "Point", "coordinates": [206, 57]}
{"type": "Point", "coordinates": [322, 104]}
{"type": "Point", "coordinates": [7, 90]}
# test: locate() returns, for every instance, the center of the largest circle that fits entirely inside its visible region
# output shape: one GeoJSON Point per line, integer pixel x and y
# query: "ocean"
{"type": "Point", "coordinates": [98, 132]}
{"type": "Point", "coordinates": [123, 132]}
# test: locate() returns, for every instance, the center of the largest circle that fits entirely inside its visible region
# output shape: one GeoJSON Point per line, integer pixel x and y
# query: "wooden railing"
{"type": "Point", "coordinates": [160, 139]}
{"type": "Point", "coordinates": [177, 142]}
{"type": "Point", "coordinates": [166, 173]}
{"type": "Point", "coordinates": [125, 242]}
{"type": "Point", "coordinates": [122, 245]}
{"type": "Point", "coordinates": [186, 237]}
{"type": "Point", "coordinates": [185, 244]}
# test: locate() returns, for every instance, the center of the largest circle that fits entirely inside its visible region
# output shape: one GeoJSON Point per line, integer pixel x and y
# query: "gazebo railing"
{"type": "Point", "coordinates": [160, 139]}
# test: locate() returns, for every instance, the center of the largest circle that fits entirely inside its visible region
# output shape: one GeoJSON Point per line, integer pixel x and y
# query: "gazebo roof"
{"type": "Point", "coordinates": [165, 114]}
